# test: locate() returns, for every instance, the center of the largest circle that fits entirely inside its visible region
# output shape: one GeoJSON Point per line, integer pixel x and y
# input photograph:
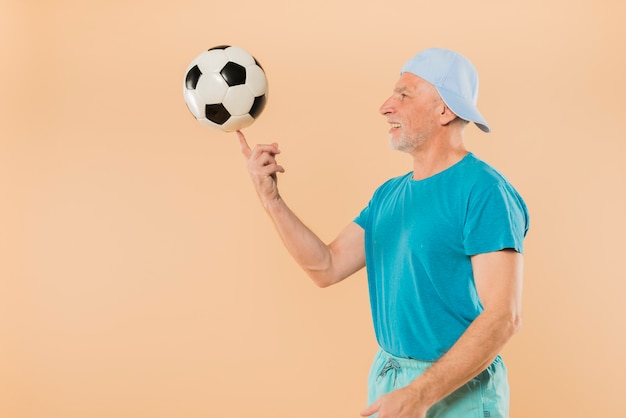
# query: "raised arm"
{"type": "Point", "coordinates": [326, 264]}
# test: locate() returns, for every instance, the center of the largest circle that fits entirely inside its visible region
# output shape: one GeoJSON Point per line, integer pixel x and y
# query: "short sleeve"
{"type": "Point", "coordinates": [497, 219]}
{"type": "Point", "coordinates": [361, 219]}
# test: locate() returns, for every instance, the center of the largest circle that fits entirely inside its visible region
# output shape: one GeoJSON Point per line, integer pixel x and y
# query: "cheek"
{"type": "Point", "coordinates": [411, 122]}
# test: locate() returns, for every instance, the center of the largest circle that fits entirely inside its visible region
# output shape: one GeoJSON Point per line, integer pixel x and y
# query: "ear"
{"type": "Point", "coordinates": [446, 115]}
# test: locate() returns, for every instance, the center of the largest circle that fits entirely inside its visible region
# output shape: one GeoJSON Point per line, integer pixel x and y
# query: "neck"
{"type": "Point", "coordinates": [435, 156]}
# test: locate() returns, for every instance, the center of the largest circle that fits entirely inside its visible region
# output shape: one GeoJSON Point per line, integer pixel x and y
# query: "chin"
{"type": "Point", "coordinates": [400, 145]}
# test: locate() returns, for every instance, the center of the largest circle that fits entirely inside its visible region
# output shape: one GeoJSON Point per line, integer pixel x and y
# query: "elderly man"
{"type": "Point", "coordinates": [442, 246]}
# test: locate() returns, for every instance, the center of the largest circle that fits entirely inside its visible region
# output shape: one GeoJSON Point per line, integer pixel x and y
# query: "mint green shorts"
{"type": "Point", "coordinates": [485, 396]}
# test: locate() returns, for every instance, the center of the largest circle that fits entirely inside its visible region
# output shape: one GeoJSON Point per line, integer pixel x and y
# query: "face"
{"type": "Point", "coordinates": [412, 112]}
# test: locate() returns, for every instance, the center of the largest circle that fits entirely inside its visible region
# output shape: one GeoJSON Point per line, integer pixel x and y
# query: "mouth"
{"type": "Point", "coordinates": [394, 125]}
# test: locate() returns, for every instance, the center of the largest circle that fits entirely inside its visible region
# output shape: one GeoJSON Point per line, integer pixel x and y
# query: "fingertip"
{"type": "Point", "coordinates": [242, 141]}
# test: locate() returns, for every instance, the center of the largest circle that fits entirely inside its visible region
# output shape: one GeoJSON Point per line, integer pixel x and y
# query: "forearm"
{"type": "Point", "coordinates": [498, 277]}
{"type": "Point", "coordinates": [325, 264]}
{"type": "Point", "coordinates": [475, 350]}
{"type": "Point", "coordinates": [306, 248]}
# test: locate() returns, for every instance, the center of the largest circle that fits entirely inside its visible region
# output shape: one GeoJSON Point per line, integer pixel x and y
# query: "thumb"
{"type": "Point", "coordinates": [245, 148]}
{"type": "Point", "coordinates": [371, 410]}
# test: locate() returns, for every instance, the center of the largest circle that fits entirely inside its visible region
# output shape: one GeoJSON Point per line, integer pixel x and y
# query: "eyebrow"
{"type": "Point", "coordinates": [402, 89]}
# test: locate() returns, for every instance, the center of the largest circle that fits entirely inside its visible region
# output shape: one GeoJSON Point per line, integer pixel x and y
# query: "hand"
{"type": "Point", "coordinates": [401, 403]}
{"type": "Point", "coordinates": [262, 167]}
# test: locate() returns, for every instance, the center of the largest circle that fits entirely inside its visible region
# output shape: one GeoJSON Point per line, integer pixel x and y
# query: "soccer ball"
{"type": "Point", "coordinates": [225, 88]}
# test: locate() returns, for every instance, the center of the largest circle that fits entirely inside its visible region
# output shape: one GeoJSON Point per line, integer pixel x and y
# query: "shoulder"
{"type": "Point", "coordinates": [483, 182]}
{"type": "Point", "coordinates": [488, 185]}
{"type": "Point", "coordinates": [393, 184]}
{"type": "Point", "coordinates": [381, 194]}
{"type": "Point", "coordinates": [478, 177]}
{"type": "Point", "coordinates": [478, 171]}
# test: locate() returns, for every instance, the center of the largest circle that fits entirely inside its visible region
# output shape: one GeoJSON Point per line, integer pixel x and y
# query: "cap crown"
{"type": "Point", "coordinates": [454, 77]}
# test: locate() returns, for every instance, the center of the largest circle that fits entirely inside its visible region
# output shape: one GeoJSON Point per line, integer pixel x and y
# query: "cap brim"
{"type": "Point", "coordinates": [464, 109]}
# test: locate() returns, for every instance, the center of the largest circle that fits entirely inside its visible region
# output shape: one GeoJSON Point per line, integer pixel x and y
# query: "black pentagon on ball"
{"type": "Point", "coordinates": [192, 78]}
{"type": "Point", "coordinates": [216, 113]}
{"type": "Point", "coordinates": [219, 47]}
{"type": "Point", "coordinates": [234, 74]}
{"type": "Point", "coordinates": [258, 106]}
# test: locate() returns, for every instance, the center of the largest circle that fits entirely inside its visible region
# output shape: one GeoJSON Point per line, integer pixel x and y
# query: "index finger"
{"type": "Point", "coordinates": [245, 148]}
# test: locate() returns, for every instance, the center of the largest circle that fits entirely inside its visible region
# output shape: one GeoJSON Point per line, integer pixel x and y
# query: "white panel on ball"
{"type": "Point", "coordinates": [212, 61]}
{"type": "Point", "coordinates": [196, 107]}
{"type": "Point", "coordinates": [211, 88]}
{"type": "Point", "coordinates": [255, 79]}
{"type": "Point", "coordinates": [239, 56]}
{"type": "Point", "coordinates": [238, 100]}
{"type": "Point", "coordinates": [237, 122]}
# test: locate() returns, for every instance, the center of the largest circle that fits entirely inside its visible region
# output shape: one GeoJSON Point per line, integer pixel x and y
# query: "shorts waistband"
{"type": "Point", "coordinates": [410, 363]}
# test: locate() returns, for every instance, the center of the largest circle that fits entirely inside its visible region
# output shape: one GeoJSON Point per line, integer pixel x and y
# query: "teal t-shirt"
{"type": "Point", "coordinates": [419, 236]}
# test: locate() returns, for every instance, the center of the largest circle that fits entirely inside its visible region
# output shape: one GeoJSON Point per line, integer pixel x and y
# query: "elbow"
{"type": "Point", "coordinates": [320, 280]}
{"type": "Point", "coordinates": [512, 324]}
{"type": "Point", "coordinates": [516, 323]}
{"type": "Point", "coordinates": [322, 275]}
{"type": "Point", "coordinates": [507, 322]}
{"type": "Point", "coordinates": [321, 284]}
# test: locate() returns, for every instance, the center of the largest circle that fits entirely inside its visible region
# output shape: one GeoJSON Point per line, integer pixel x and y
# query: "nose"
{"type": "Point", "coordinates": [386, 108]}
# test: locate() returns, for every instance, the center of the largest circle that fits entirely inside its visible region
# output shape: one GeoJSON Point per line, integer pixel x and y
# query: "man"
{"type": "Point", "coordinates": [442, 246]}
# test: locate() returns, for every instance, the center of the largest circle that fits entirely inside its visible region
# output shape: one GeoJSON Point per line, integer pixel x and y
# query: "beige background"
{"type": "Point", "coordinates": [139, 277]}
